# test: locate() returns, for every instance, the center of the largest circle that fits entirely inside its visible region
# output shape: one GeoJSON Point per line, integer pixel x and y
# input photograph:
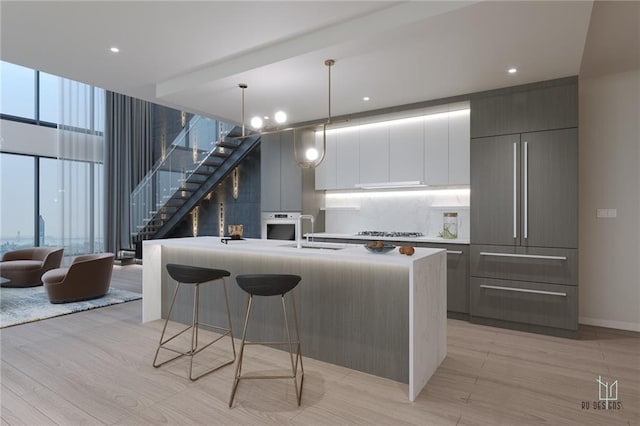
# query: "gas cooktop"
{"type": "Point", "coordinates": [392, 234]}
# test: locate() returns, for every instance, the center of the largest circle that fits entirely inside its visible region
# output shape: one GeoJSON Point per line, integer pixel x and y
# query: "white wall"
{"type": "Point", "coordinates": [609, 167]}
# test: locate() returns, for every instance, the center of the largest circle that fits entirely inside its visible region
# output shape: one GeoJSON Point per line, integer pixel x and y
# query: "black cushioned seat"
{"type": "Point", "coordinates": [268, 284]}
{"type": "Point", "coordinates": [193, 274]}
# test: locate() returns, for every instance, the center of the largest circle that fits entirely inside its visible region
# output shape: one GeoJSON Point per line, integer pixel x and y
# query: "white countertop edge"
{"type": "Point", "coordinates": [351, 252]}
{"type": "Point", "coordinates": [438, 240]}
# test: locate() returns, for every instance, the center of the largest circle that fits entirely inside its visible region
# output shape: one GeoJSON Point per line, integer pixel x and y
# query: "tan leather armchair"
{"type": "Point", "coordinates": [88, 277]}
{"type": "Point", "coordinates": [24, 268]}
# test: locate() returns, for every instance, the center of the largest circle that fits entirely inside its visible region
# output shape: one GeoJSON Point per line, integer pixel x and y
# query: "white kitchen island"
{"type": "Point", "coordinates": [384, 314]}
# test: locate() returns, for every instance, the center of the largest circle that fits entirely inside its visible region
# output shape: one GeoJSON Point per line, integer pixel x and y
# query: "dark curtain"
{"type": "Point", "coordinates": [128, 158]}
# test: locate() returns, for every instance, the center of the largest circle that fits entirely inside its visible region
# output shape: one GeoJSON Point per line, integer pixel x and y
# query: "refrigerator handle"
{"type": "Point", "coordinates": [515, 190]}
{"type": "Point", "coordinates": [526, 190]}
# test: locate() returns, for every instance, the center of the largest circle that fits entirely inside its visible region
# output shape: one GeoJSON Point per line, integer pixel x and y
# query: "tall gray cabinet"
{"type": "Point", "coordinates": [524, 207]}
{"type": "Point", "coordinates": [281, 178]}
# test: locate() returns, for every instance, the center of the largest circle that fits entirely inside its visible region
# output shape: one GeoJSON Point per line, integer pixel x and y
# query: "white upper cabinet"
{"type": "Point", "coordinates": [436, 149]}
{"type": "Point", "coordinates": [326, 172]}
{"type": "Point", "coordinates": [432, 148]}
{"type": "Point", "coordinates": [406, 150]}
{"type": "Point", "coordinates": [374, 153]}
{"type": "Point", "coordinates": [459, 147]}
{"type": "Point", "coordinates": [348, 161]}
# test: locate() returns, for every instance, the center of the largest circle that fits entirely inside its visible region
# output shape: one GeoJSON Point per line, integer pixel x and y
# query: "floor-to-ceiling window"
{"type": "Point", "coordinates": [52, 184]}
{"type": "Point", "coordinates": [17, 201]}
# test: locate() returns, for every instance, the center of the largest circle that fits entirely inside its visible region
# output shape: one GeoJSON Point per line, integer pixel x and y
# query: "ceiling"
{"type": "Point", "coordinates": [193, 55]}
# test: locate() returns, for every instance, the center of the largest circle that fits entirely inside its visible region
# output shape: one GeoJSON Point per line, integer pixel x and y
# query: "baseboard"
{"type": "Point", "coordinates": [529, 328]}
{"type": "Point", "coordinates": [457, 316]}
{"type": "Point", "coordinates": [620, 325]}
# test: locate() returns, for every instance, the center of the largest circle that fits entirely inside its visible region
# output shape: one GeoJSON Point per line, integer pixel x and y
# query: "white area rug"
{"type": "Point", "coordinates": [22, 305]}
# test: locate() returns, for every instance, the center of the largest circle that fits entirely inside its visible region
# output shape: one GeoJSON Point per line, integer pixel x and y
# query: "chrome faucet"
{"type": "Point", "coordinates": [299, 236]}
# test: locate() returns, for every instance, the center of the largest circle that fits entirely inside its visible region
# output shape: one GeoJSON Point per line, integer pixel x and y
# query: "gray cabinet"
{"type": "Point", "coordinates": [536, 304]}
{"type": "Point", "coordinates": [550, 188]}
{"type": "Point", "coordinates": [524, 189]}
{"type": "Point", "coordinates": [545, 265]}
{"type": "Point", "coordinates": [494, 196]}
{"type": "Point", "coordinates": [457, 277]}
{"type": "Point", "coordinates": [281, 178]}
{"type": "Point", "coordinates": [524, 208]}
{"type": "Point", "coordinates": [539, 106]}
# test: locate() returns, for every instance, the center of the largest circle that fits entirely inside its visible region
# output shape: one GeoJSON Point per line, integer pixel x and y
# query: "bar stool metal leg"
{"type": "Point", "coordinates": [195, 325]}
{"type": "Point", "coordinates": [236, 380]}
{"type": "Point", "coordinates": [298, 352]}
{"type": "Point", "coordinates": [294, 366]}
{"type": "Point", "coordinates": [226, 301]}
{"type": "Point", "coordinates": [289, 342]}
{"type": "Point", "coordinates": [164, 329]}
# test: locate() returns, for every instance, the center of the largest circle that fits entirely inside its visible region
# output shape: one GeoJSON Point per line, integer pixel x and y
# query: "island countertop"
{"type": "Point", "coordinates": [408, 240]}
{"type": "Point", "coordinates": [349, 299]}
{"type": "Point", "coordinates": [355, 252]}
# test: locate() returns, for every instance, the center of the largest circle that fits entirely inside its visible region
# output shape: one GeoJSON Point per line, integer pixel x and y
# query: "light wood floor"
{"type": "Point", "coordinates": [94, 367]}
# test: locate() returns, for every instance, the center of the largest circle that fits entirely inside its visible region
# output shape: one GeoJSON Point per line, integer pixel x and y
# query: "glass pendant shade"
{"type": "Point", "coordinates": [309, 147]}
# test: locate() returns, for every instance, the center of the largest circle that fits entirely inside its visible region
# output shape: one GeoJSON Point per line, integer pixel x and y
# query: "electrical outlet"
{"type": "Point", "coordinates": [606, 213]}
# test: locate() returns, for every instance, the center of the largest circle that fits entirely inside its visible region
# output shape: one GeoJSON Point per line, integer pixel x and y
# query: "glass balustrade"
{"type": "Point", "coordinates": [188, 161]}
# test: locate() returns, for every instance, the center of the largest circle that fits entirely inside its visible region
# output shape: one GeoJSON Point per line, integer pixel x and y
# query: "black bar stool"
{"type": "Point", "coordinates": [271, 285]}
{"type": "Point", "coordinates": [194, 275]}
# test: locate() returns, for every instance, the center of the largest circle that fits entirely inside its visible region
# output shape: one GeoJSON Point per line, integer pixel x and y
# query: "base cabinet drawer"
{"type": "Point", "coordinates": [545, 265]}
{"type": "Point", "coordinates": [534, 303]}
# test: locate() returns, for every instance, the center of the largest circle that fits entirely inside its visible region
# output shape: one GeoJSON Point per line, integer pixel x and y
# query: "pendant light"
{"type": "Point", "coordinates": [306, 151]}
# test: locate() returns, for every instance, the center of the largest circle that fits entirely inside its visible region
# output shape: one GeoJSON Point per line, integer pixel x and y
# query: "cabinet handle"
{"type": "Point", "coordinates": [515, 189]}
{"type": "Point", "coordinates": [526, 189]}
{"type": "Point", "coordinates": [526, 256]}
{"type": "Point", "coordinates": [454, 251]}
{"type": "Point", "coordinates": [524, 290]}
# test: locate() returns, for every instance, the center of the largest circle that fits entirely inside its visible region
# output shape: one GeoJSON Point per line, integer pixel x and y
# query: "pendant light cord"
{"type": "Point", "coordinates": [329, 63]}
{"type": "Point", "coordinates": [242, 86]}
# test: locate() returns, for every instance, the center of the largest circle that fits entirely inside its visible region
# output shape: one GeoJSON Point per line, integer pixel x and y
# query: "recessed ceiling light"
{"type": "Point", "coordinates": [513, 70]}
{"type": "Point", "coordinates": [266, 117]}
{"type": "Point", "coordinates": [280, 117]}
{"type": "Point", "coordinates": [114, 49]}
{"type": "Point", "coordinates": [256, 122]}
{"type": "Point", "coordinates": [366, 98]}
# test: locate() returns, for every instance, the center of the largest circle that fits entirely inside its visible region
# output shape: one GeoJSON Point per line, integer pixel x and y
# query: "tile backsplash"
{"type": "Point", "coordinates": [403, 210]}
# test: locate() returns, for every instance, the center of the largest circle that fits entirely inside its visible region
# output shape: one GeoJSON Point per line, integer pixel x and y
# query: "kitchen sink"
{"type": "Point", "coordinates": [318, 246]}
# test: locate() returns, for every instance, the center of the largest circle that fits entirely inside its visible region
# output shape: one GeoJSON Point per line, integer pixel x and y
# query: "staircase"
{"type": "Point", "coordinates": [187, 173]}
